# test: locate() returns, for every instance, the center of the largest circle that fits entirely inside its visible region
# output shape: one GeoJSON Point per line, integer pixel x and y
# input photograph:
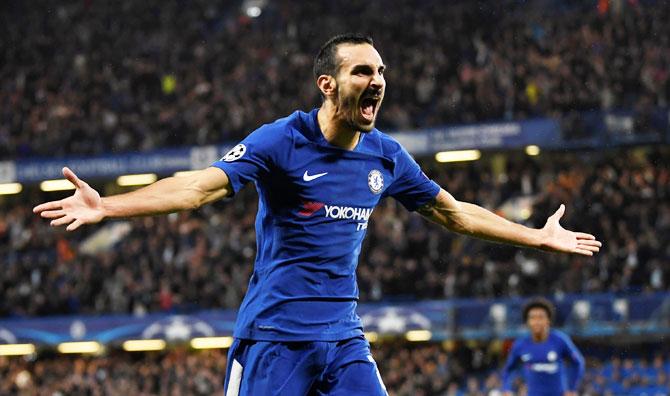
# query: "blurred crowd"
{"type": "Point", "coordinates": [620, 198]}
{"type": "Point", "coordinates": [407, 370]}
{"type": "Point", "coordinates": [629, 376]}
{"type": "Point", "coordinates": [173, 373]}
{"type": "Point", "coordinates": [88, 77]}
{"type": "Point", "coordinates": [203, 259]}
{"type": "Point", "coordinates": [436, 370]}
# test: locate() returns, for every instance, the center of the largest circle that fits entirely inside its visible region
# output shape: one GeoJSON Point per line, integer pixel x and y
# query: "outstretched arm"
{"type": "Point", "coordinates": [576, 367]}
{"type": "Point", "coordinates": [167, 195]}
{"type": "Point", "coordinates": [509, 369]}
{"type": "Point", "coordinates": [469, 219]}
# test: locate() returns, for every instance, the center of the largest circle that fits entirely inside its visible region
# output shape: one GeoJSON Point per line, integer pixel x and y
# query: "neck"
{"type": "Point", "coordinates": [334, 129]}
{"type": "Point", "coordinates": [539, 337]}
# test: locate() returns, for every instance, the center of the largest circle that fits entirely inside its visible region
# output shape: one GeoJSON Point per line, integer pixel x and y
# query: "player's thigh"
{"type": "Point", "coordinates": [353, 372]}
{"type": "Point", "coordinates": [269, 368]}
{"type": "Point", "coordinates": [354, 379]}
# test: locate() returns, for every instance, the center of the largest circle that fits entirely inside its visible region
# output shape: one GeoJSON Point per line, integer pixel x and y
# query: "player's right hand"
{"type": "Point", "coordinates": [83, 207]}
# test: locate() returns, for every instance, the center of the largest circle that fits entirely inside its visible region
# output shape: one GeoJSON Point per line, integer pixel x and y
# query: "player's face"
{"type": "Point", "coordinates": [538, 321]}
{"type": "Point", "coordinates": [360, 85]}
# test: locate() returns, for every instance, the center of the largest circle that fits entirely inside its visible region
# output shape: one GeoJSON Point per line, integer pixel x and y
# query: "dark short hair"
{"type": "Point", "coordinates": [326, 61]}
{"type": "Point", "coordinates": [538, 302]}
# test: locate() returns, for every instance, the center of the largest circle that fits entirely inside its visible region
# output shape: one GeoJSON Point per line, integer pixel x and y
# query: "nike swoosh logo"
{"type": "Point", "coordinates": [307, 177]}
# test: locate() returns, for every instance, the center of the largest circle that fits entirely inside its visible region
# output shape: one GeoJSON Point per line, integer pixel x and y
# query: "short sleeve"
{"type": "Point", "coordinates": [252, 157]}
{"type": "Point", "coordinates": [410, 185]}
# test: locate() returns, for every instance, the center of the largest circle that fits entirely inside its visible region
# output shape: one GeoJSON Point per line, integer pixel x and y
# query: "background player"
{"type": "Point", "coordinates": [319, 175]}
{"type": "Point", "coordinates": [542, 353]}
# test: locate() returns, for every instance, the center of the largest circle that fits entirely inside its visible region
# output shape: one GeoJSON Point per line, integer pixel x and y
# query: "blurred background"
{"type": "Point", "coordinates": [518, 106]}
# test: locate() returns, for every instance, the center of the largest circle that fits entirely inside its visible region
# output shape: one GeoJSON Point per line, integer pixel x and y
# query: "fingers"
{"type": "Point", "coordinates": [587, 247]}
{"type": "Point", "coordinates": [52, 214]}
{"type": "Point", "coordinates": [47, 206]}
{"type": "Point", "coordinates": [62, 221]}
{"type": "Point", "coordinates": [589, 242]}
{"type": "Point", "coordinates": [594, 249]}
{"type": "Point", "coordinates": [583, 252]}
{"type": "Point", "coordinates": [72, 177]}
{"type": "Point", "coordinates": [74, 225]}
{"type": "Point", "coordinates": [581, 235]}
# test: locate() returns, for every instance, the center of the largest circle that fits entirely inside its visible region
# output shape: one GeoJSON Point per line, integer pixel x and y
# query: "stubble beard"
{"type": "Point", "coordinates": [350, 109]}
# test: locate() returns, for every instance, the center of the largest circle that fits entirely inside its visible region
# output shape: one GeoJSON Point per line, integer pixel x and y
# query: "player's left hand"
{"type": "Point", "coordinates": [570, 393]}
{"type": "Point", "coordinates": [558, 239]}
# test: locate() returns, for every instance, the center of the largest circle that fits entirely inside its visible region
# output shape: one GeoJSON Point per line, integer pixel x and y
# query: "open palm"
{"type": "Point", "coordinates": [558, 239]}
{"type": "Point", "coordinates": [83, 207]}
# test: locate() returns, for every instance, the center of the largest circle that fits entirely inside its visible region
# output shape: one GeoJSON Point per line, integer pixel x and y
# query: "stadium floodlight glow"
{"type": "Point", "coordinates": [17, 349]}
{"type": "Point", "coordinates": [418, 335]}
{"type": "Point", "coordinates": [582, 309]}
{"type": "Point", "coordinates": [136, 180]}
{"type": "Point", "coordinates": [532, 150]}
{"type": "Point", "coordinates": [184, 173]}
{"type": "Point", "coordinates": [10, 188]}
{"type": "Point", "coordinates": [56, 185]}
{"type": "Point", "coordinates": [254, 11]}
{"type": "Point", "coordinates": [371, 336]}
{"type": "Point", "coordinates": [143, 345]}
{"type": "Point", "coordinates": [211, 342]}
{"type": "Point", "coordinates": [525, 213]}
{"type": "Point", "coordinates": [79, 347]}
{"type": "Point", "coordinates": [458, 156]}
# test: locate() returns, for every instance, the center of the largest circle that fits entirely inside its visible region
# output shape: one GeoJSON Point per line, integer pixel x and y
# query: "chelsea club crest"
{"type": "Point", "coordinates": [375, 181]}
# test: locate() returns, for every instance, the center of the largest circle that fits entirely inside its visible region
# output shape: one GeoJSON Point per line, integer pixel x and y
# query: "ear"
{"type": "Point", "coordinates": [327, 85]}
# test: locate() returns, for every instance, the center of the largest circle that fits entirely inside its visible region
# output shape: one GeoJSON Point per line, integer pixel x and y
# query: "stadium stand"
{"type": "Point", "coordinates": [422, 370]}
{"type": "Point", "coordinates": [197, 260]}
{"type": "Point", "coordinates": [87, 77]}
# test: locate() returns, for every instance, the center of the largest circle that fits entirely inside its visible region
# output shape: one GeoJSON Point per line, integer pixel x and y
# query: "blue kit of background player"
{"type": "Point", "coordinates": [542, 353]}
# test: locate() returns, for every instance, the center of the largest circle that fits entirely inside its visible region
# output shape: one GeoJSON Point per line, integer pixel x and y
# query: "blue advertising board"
{"type": "Point", "coordinates": [594, 129]}
{"type": "Point", "coordinates": [581, 315]}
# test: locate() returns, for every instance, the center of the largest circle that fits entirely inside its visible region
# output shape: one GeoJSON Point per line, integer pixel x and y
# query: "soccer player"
{"type": "Point", "coordinates": [542, 353]}
{"type": "Point", "coordinates": [318, 175]}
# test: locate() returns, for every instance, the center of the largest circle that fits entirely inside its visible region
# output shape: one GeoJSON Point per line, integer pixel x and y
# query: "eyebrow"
{"type": "Point", "coordinates": [366, 68]}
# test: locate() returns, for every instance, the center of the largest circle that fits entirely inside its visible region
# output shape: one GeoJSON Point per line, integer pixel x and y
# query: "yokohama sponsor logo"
{"type": "Point", "coordinates": [348, 213]}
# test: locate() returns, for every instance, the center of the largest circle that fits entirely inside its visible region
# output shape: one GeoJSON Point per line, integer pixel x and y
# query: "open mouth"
{"type": "Point", "coordinates": [369, 107]}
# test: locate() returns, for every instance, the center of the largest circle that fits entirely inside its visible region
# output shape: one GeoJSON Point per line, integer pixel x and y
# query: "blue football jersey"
{"type": "Point", "coordinates": [543, 368]}
{"type": "Point", "coordinates": [315, 200]}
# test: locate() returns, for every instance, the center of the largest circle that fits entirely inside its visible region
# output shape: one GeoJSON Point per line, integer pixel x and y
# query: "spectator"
{"type": "Point", "coordinates": [409, 369]}
{"type": "Point", "coordinates": [92, 78]}
{"type": "Point", "coordinates": [184, 262]}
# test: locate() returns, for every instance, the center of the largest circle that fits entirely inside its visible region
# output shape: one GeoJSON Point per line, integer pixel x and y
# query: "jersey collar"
{"type": "Point", "coordinates": [316, 134]}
